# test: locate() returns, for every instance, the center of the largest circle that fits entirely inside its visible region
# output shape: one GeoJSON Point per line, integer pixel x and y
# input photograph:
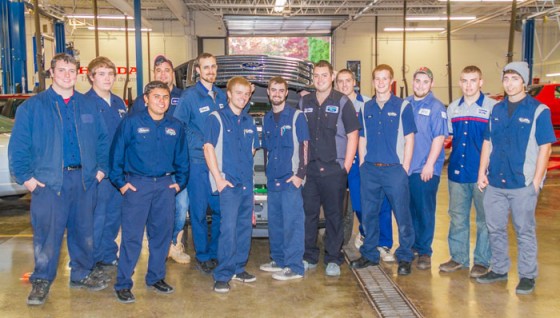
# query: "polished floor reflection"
{"type": "Point", "coordinates": [434, 294]}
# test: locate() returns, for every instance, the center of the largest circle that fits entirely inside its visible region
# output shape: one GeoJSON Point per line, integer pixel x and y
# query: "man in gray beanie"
{"type": "Point", "coordinates": [514, 157]}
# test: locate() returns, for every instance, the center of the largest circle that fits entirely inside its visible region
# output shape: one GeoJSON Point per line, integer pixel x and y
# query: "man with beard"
{"type": "Point", "coordinates": [430, 117]}
{"type": "Point", "coordinates": [196, 103]}
{"type": "Point", "coordinates": [285, 137]}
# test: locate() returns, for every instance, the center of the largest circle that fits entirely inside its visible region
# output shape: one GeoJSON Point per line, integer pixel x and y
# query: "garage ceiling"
{"type": "Point", "coordinates": [307, 16]}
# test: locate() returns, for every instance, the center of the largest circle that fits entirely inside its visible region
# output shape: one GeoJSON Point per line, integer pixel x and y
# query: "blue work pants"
{"type": "Point", "coordinates": [236, 227]}
{"type": "Point", "coordinates": [423, 211]}
{"type": "Point", "coordinates": [51, 214]}
{"type": "Point", "coordinates": [151, 206]}
{"type": "Point", "coordinates": [106, 222]}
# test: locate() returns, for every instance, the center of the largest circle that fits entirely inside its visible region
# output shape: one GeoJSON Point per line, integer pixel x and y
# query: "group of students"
{"type": "Point", "coordinates": [92, 168]}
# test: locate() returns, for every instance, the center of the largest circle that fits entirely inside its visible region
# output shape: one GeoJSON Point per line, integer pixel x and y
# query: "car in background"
{"type": "Point", "coordinates": [8, 188]}
{"type": "Point", "coordinates": [9, 103]}
{"type": "Point", "coordinates": [549, 94]}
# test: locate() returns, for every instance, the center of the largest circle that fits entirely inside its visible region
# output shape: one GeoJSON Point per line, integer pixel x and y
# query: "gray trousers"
{"type": "Point", "coordinates": [522, 203]}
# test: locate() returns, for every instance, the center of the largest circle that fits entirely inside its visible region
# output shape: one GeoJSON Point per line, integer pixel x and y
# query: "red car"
{"type": "Point", "coordinates": [549, 94]}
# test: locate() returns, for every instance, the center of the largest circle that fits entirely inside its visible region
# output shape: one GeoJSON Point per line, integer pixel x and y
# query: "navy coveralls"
{"type": "Point", "coordinates": [150, 155]}
{"type": "Point", "coordinates": [329, 123]}
{"type": "Point", "coordinates": [193, 109]}
{"type": "Point", "coordinates": [286, 218]}
{"type": "Point", "coordinates": [62, 145]}
{"type": "Point", "coordinates": [234, 138]}
{"type": "Point", "coordinates": [382, 173]}
{"type": "Point", "coordinates": [107, 214]}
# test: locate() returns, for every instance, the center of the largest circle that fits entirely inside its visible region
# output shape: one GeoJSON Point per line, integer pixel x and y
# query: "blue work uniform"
{"type": "Point", "coordinates": [234, 138]}
{"type": "Point", "coordinates": [467, 124]}
{"type": "Point", "coordinates": [140, 105]}
{"type": "Point", "coordinates": [430, 117]}
{"type": "Point", "coordinates": [515, 140]}
{"type": "Point", "coordinates": [150, 155]}
{"type": "Point", "coordinates": [40, 148]}
{"type": "Point", "coordinates": [382, 174]}
{"type": "Point", "coordinates": [385, 219]}
{"type": "Point", "coordinates": [195, 105]}
{"type": "Point", "coordinates": [107, 214]}
{"type": "Point", "coordinates": [329, 123]}
{"type": "Point", "coordinates": [281, 140]}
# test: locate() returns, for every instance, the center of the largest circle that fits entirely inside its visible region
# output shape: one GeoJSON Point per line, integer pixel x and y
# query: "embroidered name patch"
{"type": "Point", "coordinates": [308, 110]}
{"type": "Point", "coordinates": [248, 131]}
{"type": "Point", "coordinates": [170, 131]}
{"type": "Point", "coordinates": [204, 109]}
{"type": "Point", "coordinates": [444, 115]}
{"type": "Point", "coordinates": [174, 100]}
{"type": "Point", "coordinates": [482, 111]}
{"type": "Point", "coordinates": [424, 111]}
{"type": "Point", "coordinates": [524, 120]}
{"type": "Point", "coordinates": [143, 130]}
{"type": "Point", "coordinates": [392, 114]}
{"type": "Point", "coordinates": [332, 109]}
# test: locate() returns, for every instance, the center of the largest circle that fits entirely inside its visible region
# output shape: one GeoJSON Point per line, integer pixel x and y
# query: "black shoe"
{"type": "Point", "coordinates": [214, 263]}
{"type": "Point", "coordinates": [90, 283]}
{"type": "Point", "coordinates": [221, 287]}
{"type": "Point", "coordinates": [39, 292]}
{"type": "Point", "coordinates": [244, 277]}
{"type": "Point", "coordinates": [525, 286]}
{"type": "Point", "coordinates": [404, 268]}
{"type": "Point", "coordinates": [99, 273]}
{"type": "Point", "coordinates": [206, 267]}
{"type": "Point", "coordinates": [491, 277]}
{"type": "Point", "coordinates": [162, 287]}
{"type": "Point", "coordinates": [362, 262]}
{"type": "Point", "coordinates": [125, 296]}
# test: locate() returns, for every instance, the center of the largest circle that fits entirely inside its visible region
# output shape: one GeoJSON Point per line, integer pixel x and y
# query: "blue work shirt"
{"type": "Point", "coordinates": [467, 124]}
{"type": "Point", "coordinates": [282, 141]}
{"type": "Point", "coordinates": [149, 148]}
{"type": "Point", "coordinates": [385, 129]}
{"type": "Point", "coordinates": [112, 114]}
{"type": "Point", "coordinates": [234, 137]}
{"type": "Point", "coordinates": [195, 105]}
{"type": "Point", "coordinates": [430, 117]}
{"type": "Point", "coordinates": [139, 103]}
{"type": "Point", "coordinates": [515, 142]}
{"type": "Point", "coordinates": [36, 143]}
{"type": "Point", "coordinates": [71, 148]}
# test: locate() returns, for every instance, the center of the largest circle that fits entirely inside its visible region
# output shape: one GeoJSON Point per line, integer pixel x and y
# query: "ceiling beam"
{"type": "Point", "coordinates": [127, 9]}
{"type": "Point", "coordinates": [179, 9]}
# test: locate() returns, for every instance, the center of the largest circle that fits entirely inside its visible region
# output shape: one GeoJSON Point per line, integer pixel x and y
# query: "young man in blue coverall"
{"type": "Point", "coordinates": [231, 139]}
{"type": "Point", "coordinates": [285, 138]}
{"type": "Point", "coordinates": [430, 117]}
{"type": "Point", "coordinates": [163, 71]}
{"type": "Point", "coordinates": [59, 151]}
{"type": "Point", "coordinates": [195, 105]}
{"type": "Point", "coordinates": [107, 215]}
{"type": "Point", "coordinates": [385, 149]}
{"type": "Point", "coordinates": [517, 146]}
{"type": "Point", "coordinates": [345, 83]}
{"type": "Point", "coordinates": [149, 164]}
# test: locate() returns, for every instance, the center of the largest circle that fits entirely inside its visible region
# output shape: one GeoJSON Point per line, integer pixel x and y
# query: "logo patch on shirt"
{"type": "Point", "coordinates": [170, 131]}
{"type": "Point", "coordinates": [524, 120]}
{"type": "Point", "coordinates": [204, 109]}
{"type": "Point", "coordinates": [284, 128]}
{"type": "Point", "coordinates": [392, 114]}
{"type": "Point", "coordinates": [248, 131]}
{"type": "Point", "coordinates": [143, 130]}
{"type": "Point", "coordinates": [308, 110]}
{"type": "Point", "coordinates": [444, 115]}
{"type": "Point", "coordinates": [332, 109]}
{"type": "Point", "coordinates": [122, 112]}
{"type": "Point", "coordinates": [221, 106]}
{"type": "Point", "coordinates": [174, 100]}
{"type": "Point", "coordinates": [482, 111]}
{"type": "Point", "coordinates": [424, 111]}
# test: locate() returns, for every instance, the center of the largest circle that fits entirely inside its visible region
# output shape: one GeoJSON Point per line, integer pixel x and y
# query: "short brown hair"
{"type": "Point", "coordinates": [203, 56]}
{"type": "Point", "coordinates": [278, 80]}
{"type": "Point", "coordinates": [237, 80]}
{"type": "Point", "coordinates": [345, 71]}
{"type": "Point", "coordinates": [323, 63]}
{"type": "Point", "coordinates": [472, 69]}
{"type": "Point", "coordinates": [63, 57]}
{"type": "Point", "coordinates": [100, 61]}
{"type": "Point", "coordinates": [383, 67]}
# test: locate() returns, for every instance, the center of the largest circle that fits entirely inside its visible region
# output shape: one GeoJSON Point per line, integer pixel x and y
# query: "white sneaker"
{"type": "Point", "coordinates": [385, 254]}
{"type": "Point", "coordinates": [307, 266]}
{"type": "Point", "coordinates": [286, 274]}
{"type": "Point", "coordinates": [332, 269]}
{"type": "Point", "coordinates": [358, 241]}
{"type": "Point", "coordinates": [271, 267]}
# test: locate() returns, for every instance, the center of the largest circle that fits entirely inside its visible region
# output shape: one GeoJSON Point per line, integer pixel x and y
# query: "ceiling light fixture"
{"type": "Point", "coordinates": [414, 29]}
{"type": "Point", "coordinates": [439, 18]}
{"type": "Point", "coordinates": [552, 74]}
{"type": "Point", "coordinates": [279, 5]}
{"type": "Point", "coordinates": [100, 17]}
{"type": "Point", "coordinates": [118, 29]}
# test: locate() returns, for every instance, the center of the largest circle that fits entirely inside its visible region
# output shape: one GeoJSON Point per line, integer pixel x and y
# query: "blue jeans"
{"type": "Point", "coordinates": [461, 197]}
{"type": "Point", "coordinates": [181, 209]}
{"type": "Point", "coordinates": [423, 211]}
{"type": "Point", "coordinates": [106, 222]}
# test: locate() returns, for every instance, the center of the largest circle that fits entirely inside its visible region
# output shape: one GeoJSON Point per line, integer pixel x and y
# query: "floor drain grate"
{"type": "Point", "coordinates": [384, 295]}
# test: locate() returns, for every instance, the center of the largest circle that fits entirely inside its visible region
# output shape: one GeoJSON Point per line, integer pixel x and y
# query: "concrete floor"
{"type": "Point", "coordinates": [433, 293]}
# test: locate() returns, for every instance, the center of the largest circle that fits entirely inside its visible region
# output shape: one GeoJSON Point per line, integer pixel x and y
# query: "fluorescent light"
{"type": "Point", "coordinates": [101, 17]}
{"type": "Point", "coordinates": [552, 74]}
{"type": "Point", "coordinates": [439, 18]}
{"type": "Point", "coordinates": [279, 5]}
{"type": "Point", "coordinates": [118, 29]}
{"type": "Point", "coordinates": [414, 29]}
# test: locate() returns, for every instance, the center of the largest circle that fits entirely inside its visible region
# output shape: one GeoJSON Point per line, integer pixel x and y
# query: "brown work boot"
{"type": "Point", "coordinates": [177, 251]}
{"type": "Point", "coordinates": [478, 270]}
{"type": "Point", "coordinates": [424, 262]}
{"type": "Point", "coordinates": [450, 266]}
